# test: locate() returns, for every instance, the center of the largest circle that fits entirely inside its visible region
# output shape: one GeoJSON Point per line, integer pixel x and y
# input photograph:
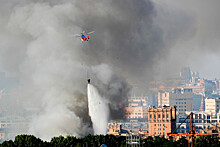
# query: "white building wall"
{"type": "Point", "coordinates": [210, 106]}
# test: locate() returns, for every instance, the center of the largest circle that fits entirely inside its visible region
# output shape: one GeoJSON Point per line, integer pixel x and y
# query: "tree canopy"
{"type": "Point", "coordinates": [108, 140]}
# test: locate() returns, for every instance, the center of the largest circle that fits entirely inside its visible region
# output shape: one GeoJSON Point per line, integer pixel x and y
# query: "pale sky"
{"type": "Point", "coordinates": [199, 25]}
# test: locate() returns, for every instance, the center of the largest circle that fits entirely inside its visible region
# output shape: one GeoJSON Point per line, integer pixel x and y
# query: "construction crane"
{"type": "Point", "coordinates": [192, 132]}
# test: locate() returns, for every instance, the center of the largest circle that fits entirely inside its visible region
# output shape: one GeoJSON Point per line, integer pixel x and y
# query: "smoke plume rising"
{"type": "Point", "coordinates": [51, 65]}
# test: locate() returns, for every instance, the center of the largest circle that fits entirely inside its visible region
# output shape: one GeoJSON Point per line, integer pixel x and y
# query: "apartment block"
{"type": "Point", "coordinates": [180, 97]}
{"type": "Point", "coordinates": [212, 105]}
{"type": "Point", "coordinates": [161, 120]}
{"type": "Point", "coordinates": [114, 129]}
{"type": "Point", "coordinates": [139, 112]}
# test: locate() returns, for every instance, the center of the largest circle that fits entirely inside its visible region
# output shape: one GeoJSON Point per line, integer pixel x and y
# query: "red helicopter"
{"type": "Point", "coordinates": [84, 36]}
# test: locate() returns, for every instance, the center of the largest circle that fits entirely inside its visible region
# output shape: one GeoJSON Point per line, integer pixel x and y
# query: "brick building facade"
{"type": "Point", "coordinates": [161, 120]}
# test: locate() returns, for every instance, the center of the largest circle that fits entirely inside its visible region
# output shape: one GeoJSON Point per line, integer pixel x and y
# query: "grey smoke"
{"type": "Point", "coordinates": [52, 66]}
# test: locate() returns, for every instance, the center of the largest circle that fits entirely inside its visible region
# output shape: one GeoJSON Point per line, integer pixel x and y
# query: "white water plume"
{"type": "Point", "coordinates": [98, 110]}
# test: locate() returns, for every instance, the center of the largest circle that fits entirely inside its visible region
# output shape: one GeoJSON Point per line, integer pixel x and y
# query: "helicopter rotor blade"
{"type": "Point", "coordinates": [90, 32]}
{"type": "Point", "coordinates": [76, 35]}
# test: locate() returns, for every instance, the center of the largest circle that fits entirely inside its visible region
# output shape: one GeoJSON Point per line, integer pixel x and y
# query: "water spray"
{"type": "Point", "coordinates": [98, 110]}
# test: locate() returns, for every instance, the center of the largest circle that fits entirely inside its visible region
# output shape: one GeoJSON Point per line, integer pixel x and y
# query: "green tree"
{"type": "Point", "coordinates": [148, 142]}
{"type": "Point", "coordinates": [71, 141]}
{"type": "Point", "coordinates": [121, 141]}
{"type": "Point", "coordinates": [110, 140]}
{"type": "Point", "coordinates": [9, 143]}
{"type": "Point", "coordinates": [160, 141]}
{"type": "Point", "coordinates": [182, 142]}
{"type": "Point", "coordinates": [29, 140]}
{"type": "Point", "coordinates": [209, 140]}
{"type": "Point", "coordinates": [99, 140]}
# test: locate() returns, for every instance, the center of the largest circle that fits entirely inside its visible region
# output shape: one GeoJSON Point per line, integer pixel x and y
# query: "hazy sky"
{"type": "Point", "coordinates": [200, 21]}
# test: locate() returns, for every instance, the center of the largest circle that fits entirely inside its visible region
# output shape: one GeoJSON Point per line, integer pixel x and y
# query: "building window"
{"type": "Point", "coordinates": [163, 116]}
{"type": "Point", "coordinates": [154, 116]}
{"type": "Point", "coordinates": [158, 115]}
{"type": "Point", "coordinates": [196, 116]}
{"type": "Point", "coordinates": [167, 115]}
{"type": "Point", "coordinates": [151, 116]}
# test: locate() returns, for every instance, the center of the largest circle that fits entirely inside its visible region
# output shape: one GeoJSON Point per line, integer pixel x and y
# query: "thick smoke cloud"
{"type": "Point", "coordinates": [111, 86]}
{"type": "Point", "coordinates": [52, 66]}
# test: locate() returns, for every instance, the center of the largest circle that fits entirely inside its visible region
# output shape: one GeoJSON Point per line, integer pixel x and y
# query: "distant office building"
{"type": "Point", "coordinates": [179, 97]}
{"type": "Point", "coordinates": [210, 86]}
{"type": "Point", "coordinates": [137, 108]}
{"type": "Point", "coordinates": [212, 105]}
{"type": "Point", "coordinates": [133, 140]}
{"type": "Point", "coordinates": [136, 112]}
{"type": "Point", "coordinates": [164, 98]}
{"type": "Point", "coordinates": [218, 86]}
{"type": "Point", "coordinates": [114, 129]}
{"type": "Point", "coordinates": [195, 77]}
{"type": "Point", "coordinates": [202, 107]}
{"type": "Point", "coordinates": [152, 100]}
{"type": "Point", "coordinates": [198, 89]}
{"type": "Point", "coordinates": [161, 120]}
{"type": "Point", "coordinates": [138, 101]}
{"type": "Point", "coordinates": [134, 126]}
{"type": "Point", "coordinates": [197, 100]}
{"type": "Point", "coordinates": [202, 120]}
{"type": "Point", "coordinates": [10, 126]}
{"type": "Point", "coordinates": [185, 74]}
